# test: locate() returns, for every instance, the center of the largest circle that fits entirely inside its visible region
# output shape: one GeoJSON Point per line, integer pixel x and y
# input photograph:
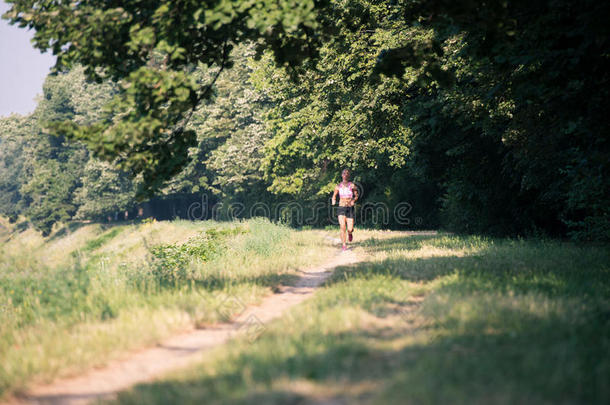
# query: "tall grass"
{"type": "Point", "coordinates": [426, 319]}
{"type": "Point", "coordinates": [81, 297]}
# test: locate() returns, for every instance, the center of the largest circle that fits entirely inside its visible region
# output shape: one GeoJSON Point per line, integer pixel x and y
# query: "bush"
{"type": "Point", "coordinates": [173, 264]}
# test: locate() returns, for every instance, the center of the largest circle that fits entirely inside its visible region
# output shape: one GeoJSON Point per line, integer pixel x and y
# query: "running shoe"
{"type": "Point", "coordinates": [350, 237]}
{"type": "Point", "coordinates": [344, 248]}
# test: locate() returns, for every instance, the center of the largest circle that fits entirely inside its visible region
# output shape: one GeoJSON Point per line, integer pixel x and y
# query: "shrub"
{"type": "Point", "coordinates": [172, 263]}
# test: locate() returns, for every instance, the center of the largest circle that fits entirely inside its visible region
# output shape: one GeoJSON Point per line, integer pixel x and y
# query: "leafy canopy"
{"type": "Point", "coordinates": [151, 48]}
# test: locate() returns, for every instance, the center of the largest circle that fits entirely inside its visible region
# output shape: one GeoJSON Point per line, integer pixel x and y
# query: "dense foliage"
{"type": "Point", "coordinates": [480, 117]}
{"type": "Point", "coordinates": [152, 49]}
{"type": "Point", "coordinates": [500, 104]}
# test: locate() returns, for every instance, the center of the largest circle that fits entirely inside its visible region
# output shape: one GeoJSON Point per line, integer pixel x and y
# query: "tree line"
{"type": "Point", "coordinates": [484, 116]}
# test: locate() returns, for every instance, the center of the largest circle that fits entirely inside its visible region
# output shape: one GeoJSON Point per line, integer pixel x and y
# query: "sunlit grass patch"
{"type": "Point", "coordinates": [100, 297]}
{"type": "Point", "coordinates": [426, 319]}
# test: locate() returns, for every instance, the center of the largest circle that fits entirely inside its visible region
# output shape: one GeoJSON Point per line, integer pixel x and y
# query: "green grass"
{"type": "Point", "coordinates": [82, 297]}
{"type": "Point", "coordinates": [102, 239]}
{"type": "Point", "coordinates": [425, 319]}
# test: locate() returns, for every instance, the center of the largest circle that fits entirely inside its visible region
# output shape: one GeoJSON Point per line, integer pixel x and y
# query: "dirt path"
{"type": "Point", "coordinates": [146, 364]}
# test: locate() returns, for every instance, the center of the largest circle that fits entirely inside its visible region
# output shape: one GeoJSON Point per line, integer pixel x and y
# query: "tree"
{"type": "Point", "coordinates": [53, 166]}
{"type": "Point", "coordinates": [236, 118]}
{"type": "Point", "coordinates": [344, 114]}
{"type": "Point", "coordinates": [152, 48]}
{"type": "Point", "coordinates": [520, 141]}
{"type": "Point", "coordinates": [497, 103]}
{"type": "Point", "coordinates": [104, 191]}
{"type": "Point", "coordinates": [15, 133]}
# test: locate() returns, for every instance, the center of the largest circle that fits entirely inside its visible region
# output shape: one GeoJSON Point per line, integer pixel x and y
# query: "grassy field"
{"type": "Point", "coordinates": [425, 319]}
{"type": "Point", "coordinates": [87, 293]}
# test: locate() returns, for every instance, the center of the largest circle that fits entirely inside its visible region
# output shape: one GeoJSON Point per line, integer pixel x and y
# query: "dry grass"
{"type": "Point", "coordinates": [79, 298]}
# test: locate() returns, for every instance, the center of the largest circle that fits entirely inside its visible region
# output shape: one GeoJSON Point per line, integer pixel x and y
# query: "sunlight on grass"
{"type": "Point", "coordinates": [425, 319]}
{"type": "Point", "coordinates": [79, 298]}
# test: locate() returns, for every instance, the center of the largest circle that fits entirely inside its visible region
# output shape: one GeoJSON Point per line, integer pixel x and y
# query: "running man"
{"type": "Point", "coordinates": [348, 195]}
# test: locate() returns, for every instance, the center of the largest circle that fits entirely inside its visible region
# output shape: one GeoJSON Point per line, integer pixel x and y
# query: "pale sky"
{"type": "Point", "coordinates": [22, 68]}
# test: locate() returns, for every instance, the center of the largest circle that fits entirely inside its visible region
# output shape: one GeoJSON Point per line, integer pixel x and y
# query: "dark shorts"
{"type": "Point", "coordinates": [347, 211]}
